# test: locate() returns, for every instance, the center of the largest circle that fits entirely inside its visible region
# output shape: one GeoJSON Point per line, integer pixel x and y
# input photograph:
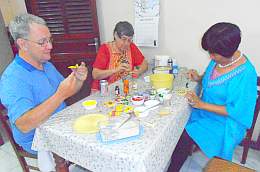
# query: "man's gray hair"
{"type": "Point", "coordinates": [19, 27]}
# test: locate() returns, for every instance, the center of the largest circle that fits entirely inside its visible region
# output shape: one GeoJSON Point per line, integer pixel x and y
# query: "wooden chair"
{"type": "Point", "coordinates": [20, 153]}
{"type": "Point", "coordinates": [1, 138]}
{"type": "Point", "coordinates": [248, 139]}
{"type": "Point", "coordinates": [221, 165]}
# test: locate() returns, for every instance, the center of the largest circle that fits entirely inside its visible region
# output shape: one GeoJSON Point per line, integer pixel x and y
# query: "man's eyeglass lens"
{"type": "Point", "coordinates": [42, 42]}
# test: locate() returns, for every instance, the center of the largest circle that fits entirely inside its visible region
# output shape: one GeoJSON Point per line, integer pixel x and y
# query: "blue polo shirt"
{"type": "Point", "coordinates": [23, 87]}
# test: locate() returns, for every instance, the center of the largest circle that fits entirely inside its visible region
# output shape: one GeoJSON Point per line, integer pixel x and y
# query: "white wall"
{"type": "Point", "coordinates": [6, 53]}
{"type": "Point", "coordinates": [10, 8]}
{"type": "Point", "coordinates": [182, 24]}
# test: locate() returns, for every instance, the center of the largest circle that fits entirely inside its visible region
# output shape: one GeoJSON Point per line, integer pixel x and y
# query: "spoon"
{"type": "Point", "coordinates": [131, 114]}
{"type": "Point", "coordinates": [73, 67]}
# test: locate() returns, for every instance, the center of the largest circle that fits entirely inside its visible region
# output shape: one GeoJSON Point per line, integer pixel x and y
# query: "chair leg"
{"type": "Point", "coordinates": [22, 163]}
{"type": "Point", "coordinates": [1, 140]}
{"type": "Point", "coordinates": [245, 152]}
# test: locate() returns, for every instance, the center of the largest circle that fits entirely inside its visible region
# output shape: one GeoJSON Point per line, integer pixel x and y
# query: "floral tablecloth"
{"type": "Point", "coordinates": [149, 153]}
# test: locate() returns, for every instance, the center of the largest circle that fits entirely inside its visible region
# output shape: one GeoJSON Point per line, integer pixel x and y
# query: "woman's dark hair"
{"type": "Point", "coordinates": [124, 28]}
{"type": "Point", "coordinates": [222, 38]}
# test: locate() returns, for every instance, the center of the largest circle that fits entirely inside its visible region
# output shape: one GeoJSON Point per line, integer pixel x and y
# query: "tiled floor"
{"type": "Point", "coordinates": [198, 160]}
{"type": "Point", "coordinates": [9, 163]}
{"type": "Point", "coordinates": [195, 163]}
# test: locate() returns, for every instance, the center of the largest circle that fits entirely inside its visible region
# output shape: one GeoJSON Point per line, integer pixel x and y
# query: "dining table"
{"type": "Point", "coordinates": [150, 151]}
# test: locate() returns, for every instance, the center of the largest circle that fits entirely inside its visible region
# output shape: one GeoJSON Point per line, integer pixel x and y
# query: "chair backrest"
{"type": "Point", "coordinates": [256, 112]}
{"type": "Point", "coordinates": [247, 141]}
{"type": "Point", "coordinates": [20, 153]}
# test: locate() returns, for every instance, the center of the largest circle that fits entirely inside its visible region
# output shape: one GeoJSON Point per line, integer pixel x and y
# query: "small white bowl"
{"type": "Point", "coordinates": [89, 104]}
{"type": "Point", "coordinates": [151, 103]}
{"type": "Point", "coordinates": [137, 100]}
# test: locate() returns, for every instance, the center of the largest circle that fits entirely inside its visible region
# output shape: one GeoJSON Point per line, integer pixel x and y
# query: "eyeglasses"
{"type": "Point", "coordinates": [126, 39]}
{"type": "Point", "coordinates": [43, 42]}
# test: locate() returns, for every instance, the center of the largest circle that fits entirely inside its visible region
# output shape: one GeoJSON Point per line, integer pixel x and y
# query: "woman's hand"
{"type": "Point", "coordinates": [194, 75]}
{"type": "Point", "coordinates": [123, 67]}
{"type": "Point", "coordinates": [194, 100]}
{"type": "Point", "coordinates": [136, 72]}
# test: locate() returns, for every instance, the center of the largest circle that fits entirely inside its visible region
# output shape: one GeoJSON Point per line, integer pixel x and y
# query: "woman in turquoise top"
{"type": "Point", "coordinates": [225, 109]}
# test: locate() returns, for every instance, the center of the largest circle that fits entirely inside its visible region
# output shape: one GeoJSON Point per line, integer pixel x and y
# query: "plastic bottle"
{"type": "Point", "coordinates": [170, 64]}
{"type": "Point", "coordinates": [175, 68]}
{"type": "Point", "coordinates": [126, 86]}
{"type": "Point", "coordinates": [134, 83]}
{"type": "Point", "coordinates": [134, 80]}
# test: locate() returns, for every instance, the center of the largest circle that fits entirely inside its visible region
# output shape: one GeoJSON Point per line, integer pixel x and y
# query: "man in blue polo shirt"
{"type": "Point", "coordinates": [31, 88]}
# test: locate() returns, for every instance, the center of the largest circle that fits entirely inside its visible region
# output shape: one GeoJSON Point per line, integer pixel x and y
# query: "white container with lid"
{"type": "Point", "coordinates": [161, 60]}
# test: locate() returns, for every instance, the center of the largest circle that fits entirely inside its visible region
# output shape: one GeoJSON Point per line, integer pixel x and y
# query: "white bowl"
{"type": "Point", "coordinates": [137, 100]}
{"type": "Point", "coordinates": [89, 104]}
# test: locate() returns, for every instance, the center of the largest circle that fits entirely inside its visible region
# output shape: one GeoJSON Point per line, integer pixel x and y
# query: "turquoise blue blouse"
{"type": "Point", "coordinates": [218, 135]}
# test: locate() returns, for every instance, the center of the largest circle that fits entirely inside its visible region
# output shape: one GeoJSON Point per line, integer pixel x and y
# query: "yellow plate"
{"type": "Point", "coordinates": [88, 123]}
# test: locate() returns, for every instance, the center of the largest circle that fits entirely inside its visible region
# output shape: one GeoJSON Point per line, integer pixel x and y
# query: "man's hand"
{"type": "Point", "coordinates": [81, 72]}
{"type": "Point", "coordinates": [72, 84]}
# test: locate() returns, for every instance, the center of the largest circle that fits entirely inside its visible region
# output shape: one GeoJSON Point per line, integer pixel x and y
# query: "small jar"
{"type": "Point", "coordinates": [152, 94]}
{"type": "Point", "coordinates": [117, 91]}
